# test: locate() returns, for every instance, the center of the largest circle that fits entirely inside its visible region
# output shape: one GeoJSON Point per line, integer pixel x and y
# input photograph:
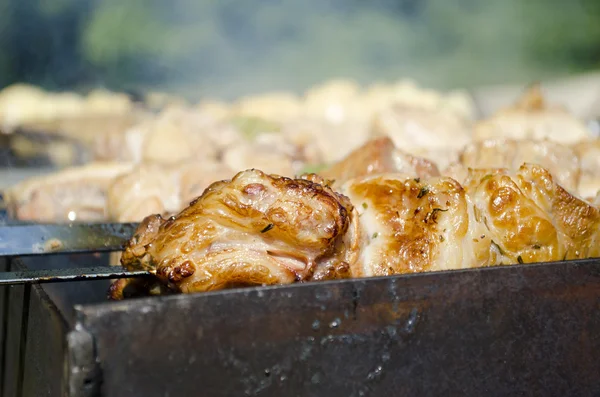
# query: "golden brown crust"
{"type": "Point", "coordinates": [532, 218]}
{"type": "Point", "coordinates": [519, 226]}
{"type": "Point", "coordinates": [413, 244]}
{"type": "Point", "coordinates": [264, 229]}
{"type": "Point", "coordinates": [255, 229]}
{"type": "Point", "coordinates": [409, 224]}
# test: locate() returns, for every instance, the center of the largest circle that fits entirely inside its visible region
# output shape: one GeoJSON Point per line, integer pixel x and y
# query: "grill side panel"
{"type": "Point", "coordinates": [44, 366]}
{"type": "Point", "coordinates": [3, 321]}
{"type": "Point", "coordinates": [519, 330]}
{"type": "Point", "coordinates": [15, 308]}
{"type": "Point", "coordinates": [35, 328]}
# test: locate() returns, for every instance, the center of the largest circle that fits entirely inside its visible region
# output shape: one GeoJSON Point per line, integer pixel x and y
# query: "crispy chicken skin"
{"type": "Point", "coordinates": [531, 218]}
{"type": "Point", "coordinates": [255, 229]}
{"type": "Point", "coordinates": [409, 225]}
{"type": "Point", "coordinates": [260, 229]}
{"type": "Point", "coordinates": [379, 156]}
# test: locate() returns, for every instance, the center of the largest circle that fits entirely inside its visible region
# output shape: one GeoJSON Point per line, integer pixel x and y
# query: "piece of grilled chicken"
{"type": "Point", "coordinates": [378, 156]}
{"type": "Point", "coordinates": [254, 229]}
{"type": "Point", "coordinates": [152, 188]}
{"type": "Point", "coordinates": [409, 225]}
{"type": "Point", "coordinates": [532, 218]}
{"type": "Point", "coordinates": [263, 229]}
{"type": "Point", "coordinates": [72, 194]}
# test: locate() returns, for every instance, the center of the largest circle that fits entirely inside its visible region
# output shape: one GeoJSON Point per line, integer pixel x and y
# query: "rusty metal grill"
{"type": "Point", "coordinates": [517, 330]}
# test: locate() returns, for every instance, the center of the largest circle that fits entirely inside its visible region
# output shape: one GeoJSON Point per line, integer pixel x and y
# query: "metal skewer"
{"type": "Point", "coordinates": [40, 239]}
{"type": "Point", "coordinates": [69, 274]}
{"type": "Point", "coordinates": [35, 239]}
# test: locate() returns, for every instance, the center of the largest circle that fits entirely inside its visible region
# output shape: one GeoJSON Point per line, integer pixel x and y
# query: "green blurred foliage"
{"type": "Point", "coordinates": [227, 48]}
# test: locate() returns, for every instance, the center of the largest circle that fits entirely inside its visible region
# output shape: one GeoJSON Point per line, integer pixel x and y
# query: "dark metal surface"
{"type": "Point", "coordinates": [68, 274]}
{"type": "Point", "coordinates": [83, 369]}
{"type": "Point", "coordinates": [14, 335]}
{"type": "Point", "coordinates": [19, 240]}
{"type": "Point", "coordinates": [65, 295]}
{"type": "Point", "coordinates": [3, 212]}
{"type": "Point", "coordinates": [518, 330]}
{"type": "Point", "coordinates": [3, 321]}
{"type": "Point", "coordinates": [39, 318]}
{"type": "Point", "coordinates": [43, 363]}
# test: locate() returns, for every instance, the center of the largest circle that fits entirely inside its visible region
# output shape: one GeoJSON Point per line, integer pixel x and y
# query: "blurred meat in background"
{"type": "Point", "coordinates": [136, 107]}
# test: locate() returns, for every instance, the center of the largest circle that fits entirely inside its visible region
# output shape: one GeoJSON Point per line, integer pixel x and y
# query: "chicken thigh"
{"type": "Point", "coordinates": [255, 229]}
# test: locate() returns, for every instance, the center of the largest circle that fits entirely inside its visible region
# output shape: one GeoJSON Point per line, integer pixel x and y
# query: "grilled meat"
{"type": "Point", "coordinates": [78, 193]}
{"type": "Point", "coordinates": [379, 97]}
{"type": "Point", "coordinates": [260, 229]}
{"type": "Point", "coordinates": [182, 149]}
{"type": "Point", "coordinates": [254, 229]}
{"type": "Point", "coordinates": [147, 189]}
{"type": "Point", "coordinates": [409, 225]}
{"type": "Point", "coordinates": [152, 188]}
{"type": "Point", "coordinates": [177, 134]}
{"type": "Point", "coordinates": [531, 217]}
{"type": "Point", "coordinates": [156, 187]}
{"type": "Point", "coordinates": [378, 156]}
